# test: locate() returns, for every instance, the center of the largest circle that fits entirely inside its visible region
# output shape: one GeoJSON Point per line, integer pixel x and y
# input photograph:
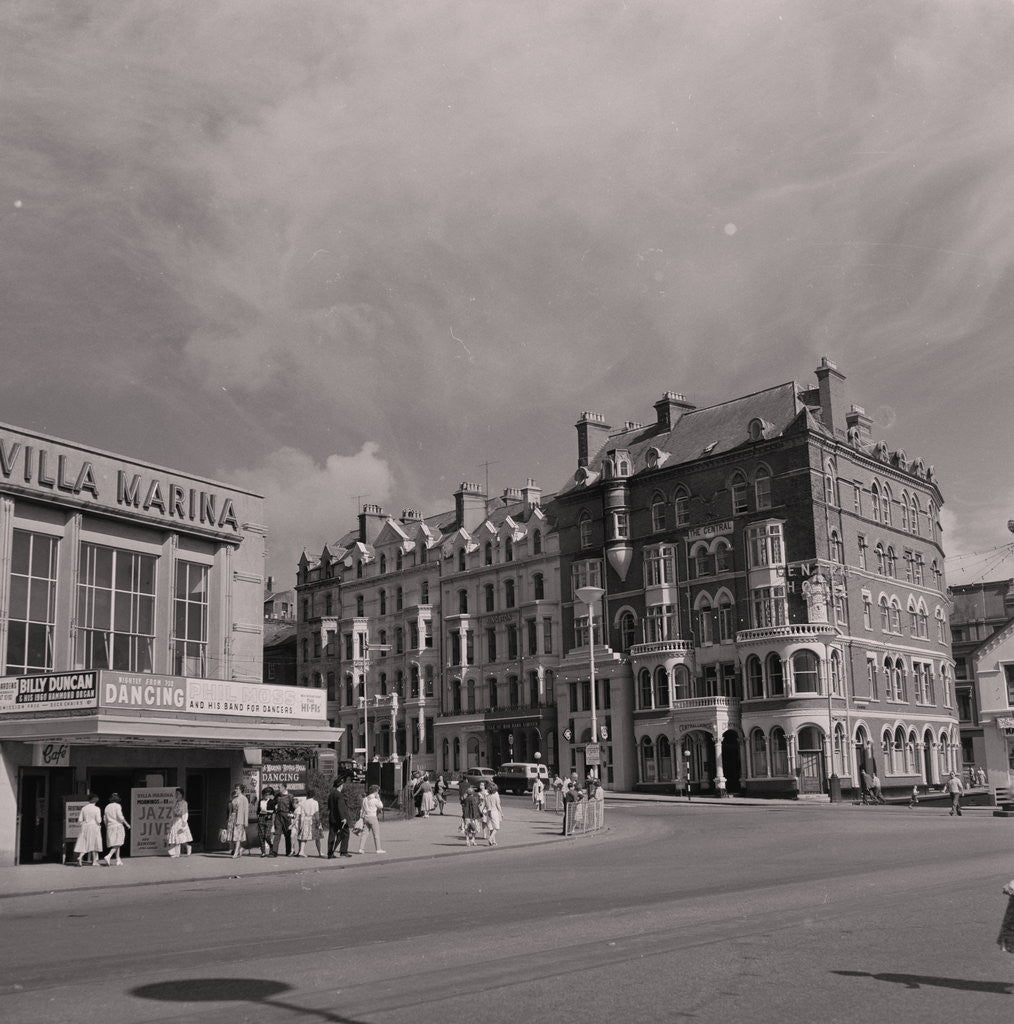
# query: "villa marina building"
{"type": "Point", "coordinates": [131, 604]}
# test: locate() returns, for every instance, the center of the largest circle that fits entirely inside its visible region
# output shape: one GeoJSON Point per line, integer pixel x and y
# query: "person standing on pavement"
{"type": "Point", "coordinates": [427, 802]}
{"type": "Point", "coordinates": [492, 811]}
{"type": "Point", "coordinates": [539, 794]}
{"type": "Point", "coordinates": [955, 788]}
{"type": "Point", "coordinates": [471, 809]}
{"type": "Point", "coordinates": [571, 795]}
{"type": "Point", "coordinates": [265, 819]}
{"type": "Point", "coordinates": [878, 797]}
{"type": "Point", "coordinates": [89, 839]}
{"type": "Point", "coordinates": [339, 816]}
{"type": "Point", "coordinates": [116, 830]}
{"type": "Point", "coordinates": [179, 828]}
{"type": "Point", "coordinates": [307, 824]}
{"type": "Point", "coordinates": [440, 792]}
{"type": "Point", "coordinates": [239, 812]}
{"type": "Point", "coordinates": [283, 821]}
{"type": "Point", "coordinates": [372, 806]}
{"type": "Point", "coordinates": [865, 787]}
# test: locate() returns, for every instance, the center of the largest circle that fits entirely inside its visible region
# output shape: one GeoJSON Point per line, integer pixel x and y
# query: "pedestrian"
{"type": "Point", "coordinates": [179, 837]}
{"type": "Point", "coordinates": [372, 806]}
{"type": "Point", "coordinates": [980, 777]}
{"type": "Point", "coordinates": [1005, 940]}
{"type": "Point", "coordinates": [914, 801]}
{"type": "Point", "coordinates": [557, 786]}
{"type": "Point", "coordinates": [307, 824]}
{"type": "Point", "coordinates": [875, 787]}
{"type": "Point", "coordinates": [338, 815]}
{"type": "Point", "coordinates": [89, 839]}
{"type": "Point", "coordinates": [597, 801]}
{"type": "Point", "coordinates": [265, 819]}
{"type": "Point", "coordinates": [417, 792]}
{"type": "Point", "coordinates": [463, 787]}
{"type": "Point", "coordinates": [492, 811]}
{"type": "Point", "coordinates": [116, 830]}
{"type": "Point", "coordinates": [440, 793]}
{"type": "Point", "coordinates": [955, 788]}
{"type": "Point", "coordinates": [865, 787]}
{"type": "Point", "coordinates": [239, 811]}
{"type": "Point", "coordinates": [471, 809]}
{"type": "Point", "coordinates": [284, 807]}
{"type": "Point", "coordinates": [539, 795]}
{"type": "Point", "coordinates": [572, 795]}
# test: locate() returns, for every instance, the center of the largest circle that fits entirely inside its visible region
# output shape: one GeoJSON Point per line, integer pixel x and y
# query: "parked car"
{"type": "Point", "coordinates": [476, 775]}
{"type": "Point", "coordinates": [518, 776]}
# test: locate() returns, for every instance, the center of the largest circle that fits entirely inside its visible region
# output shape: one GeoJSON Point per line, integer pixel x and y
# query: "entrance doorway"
{"type": "Point", "coordinates": [731, 762]}
{"type": "Point", "coordinates": [811, 761]}
{"type": "Point", "coordinates": [41, 794]}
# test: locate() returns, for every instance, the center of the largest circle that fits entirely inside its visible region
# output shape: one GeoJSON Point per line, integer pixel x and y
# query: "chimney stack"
{"type": "Point", "coordinates": [857, 418]}
{"type": "Point", "coordinates": [670, 407]}
{"type": "Point", "coordinates": [469, 506]}
{"type": "Point", "coordinates": [531, 495]}
{"type": "Point", "coordinates": [831, 388]}
{"type": "Point", "coordinates": [592, 432]}
{"type": "Point", "coordinates": [371, 520]}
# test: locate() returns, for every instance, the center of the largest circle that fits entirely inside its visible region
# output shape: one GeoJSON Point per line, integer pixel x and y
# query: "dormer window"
{"type": "Point", "coordinates": [755, 430]}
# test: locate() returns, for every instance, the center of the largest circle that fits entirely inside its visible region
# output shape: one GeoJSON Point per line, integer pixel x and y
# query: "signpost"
{"type": "Point", "coordinates": [593, 754]}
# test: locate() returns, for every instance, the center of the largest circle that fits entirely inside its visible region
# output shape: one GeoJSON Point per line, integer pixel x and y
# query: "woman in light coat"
{"type": "Point", "coordinates": [179, 828]}
{"type": "Point", "coordinates": [90, 838]}
{"type": "Point", "coordinates": [116, 830]}
{"type": "Point", "coordinates": [492, 811]}
{"type": "Point", "coordinates": [239, 811]}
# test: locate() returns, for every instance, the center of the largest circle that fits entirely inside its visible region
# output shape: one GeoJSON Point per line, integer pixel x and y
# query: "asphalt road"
{"type": "Point", "coordinates": [675, 913]}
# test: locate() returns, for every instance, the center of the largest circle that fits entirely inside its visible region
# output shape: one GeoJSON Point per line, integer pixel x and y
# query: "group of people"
{"type": "Point", "coordinates": [481, 812]}
{"type": "Point", "coordinates": [577, 798]}
{"type": "Point", "coordinates": [428, 796]}
{"type": "Point", "coordinates": [89, 840]}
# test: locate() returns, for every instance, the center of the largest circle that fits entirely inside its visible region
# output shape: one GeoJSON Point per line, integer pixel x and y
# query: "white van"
{"type": "Point", "coordinates": [518, 776]}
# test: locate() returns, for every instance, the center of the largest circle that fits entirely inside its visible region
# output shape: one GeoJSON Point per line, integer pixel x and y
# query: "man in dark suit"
{"type": "Point", "coordinates": [338, 814]}
{"type": "Point", "coordinates": [284, 807]}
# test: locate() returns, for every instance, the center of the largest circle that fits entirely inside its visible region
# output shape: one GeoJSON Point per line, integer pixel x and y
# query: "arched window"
{"type": "Point", "coordinates": [703, 560]}
{"type": "Point", "coordinates": [837, 676]}
{"type": "Point", "coordinates": [399, 561]}
{"type": "Point", "coordinates": [584, 528]}
{"type": "Point", "coordinates": [383, 684]}
{"type": "Point", "coordinates": [537, 542]}
{"type": "Point", "coordinates": [539, 587]}
{"type": "Point", "coordinates": [776, 677]}
{"type": "Point", "coordinates": [488, 553]}
{"type": "Point", "coordinates": [457, 753]}
{"type": "Point", "coordinates": [885, 614]}
{"type": "Point", "coordinates": [805, 672]}
{"type": "Point", "coordinates": [658, 513]}
{"type": "Point", "coordinates": [738, 486]}
{"type": "Point", "coordinates": [382, 600]}
{"type": "Point", "coordinates": [681, 505]}
{"type": "Point", "coordinates": [891, 563]}
{"type": "Point", "coordinates": [726, 619]}
{"type": "Point", "coordinates": [456, 696]}
{"type": "Point", "coordinates": [754, 678]}
{"type": "Point", "coordinates": [359, 570]}
{"type": "Point", "coordinates": [647, 760]}
{"type": "Point", "coordinates": [830, 485]}
{"type": "Point", "coordinates": [723, 555]}
{"type": "Point", "coordinates": [446, 753]}
{"type": "Point", "coordinates": [383, 564]}
{"type": "Point", "coordinates": [644, 689]}
{"type": "Point", "coordinates": [681, 682]}
{"type": "Point", "coordinates": [762, 488]}
{"type": "Point", "coordinates": [628, 631]}
{"type": "Point", "coordinates": [904, 511]}
{"type": "Point", "coordinates": [759, 754]}
{"type": "Point", "coordinates": [661, 687]}
{"type": "Point", "coordinates": [939, 616]}
{"type": "Point", "coordinates": [886, 499]}
{"type": "Point", "coordinates": [779, 752]}
{"type": "Point", "coordinates": [887, 752]}
{"type": "Point", "coordinates": [705, 621]}
{"type": "Point", "coordinates": [664, 757]}
{"type": "Point", "coordinates": [895, 616]}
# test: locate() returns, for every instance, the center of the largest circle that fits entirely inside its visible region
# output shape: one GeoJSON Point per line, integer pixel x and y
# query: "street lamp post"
{"type": "Point", "coordinates": [686, 770]}
{"type": "Point", "coordinates": [364, 661]}
{"type": "Point", "coordinates": [590, 596]}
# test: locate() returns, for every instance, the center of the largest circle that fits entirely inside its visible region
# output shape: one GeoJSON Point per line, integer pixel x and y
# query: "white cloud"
{"type": "Point", "coordinates": [307, 504]}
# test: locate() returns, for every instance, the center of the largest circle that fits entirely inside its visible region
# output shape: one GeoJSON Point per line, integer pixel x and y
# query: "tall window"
{"type": "Point", "coordinates": [658, 513]}
{"type": "Point", "coordinates": [830, 485]}
{"type": "Point", "coordinates": [628, 631]}
{"type": "Point", "coordinates": [585, 531]}
{"type": "Point", "coordinates": [739, 494]}
{"type": "Point", "coordinates": [190, 620]}
{"type": "Point", "coordinates": [382, 601]}
{"type": "Point", "coordinates": [681, 504]}
{"type": "Point", "coordinates": [537, 542]}
{"type": "Point", "coordinates": [424, 592]}
{"type": "Point", "coordinates": [765, 545]}
{"type": "Point", "coordinates": [836, 549]}
{"type": "Point", "coordinates": [660, 623]}
{"type": "Point", "coordinates": [768, 606]}
{"type": "Point", "coordinates": [115, 609]}
{"type": "Point", "coordinates": [508, 593]}
{"type": "Point", "coordinates": [762, 488]}
{"type": "Point", "coordinates": [754, 678]}
{"type": "Point", "coordinates": [805, 675]}
{"type": "Point", "coordinates": [659, 568]}
{"type": "Point", "coordinates": [32, 610]}
{"type": "Point", "coordinates": [490, 592]}
{"type": "Point", "coordinates": [586, 574]}
{"type": "Point", "coordinates": [488, 553]}
{"type": "Point", "coordinates": [539, 587]}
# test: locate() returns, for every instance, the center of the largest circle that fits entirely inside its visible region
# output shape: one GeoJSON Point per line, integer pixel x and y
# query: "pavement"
{"type": "Point", "coordinates": [402, 838]}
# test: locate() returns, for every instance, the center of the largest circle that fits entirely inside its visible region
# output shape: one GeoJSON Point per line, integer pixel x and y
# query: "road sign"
{"type": "Point", "coordinates": [359, 750]}
{"type": "Point", "coordinates": [593, 754]}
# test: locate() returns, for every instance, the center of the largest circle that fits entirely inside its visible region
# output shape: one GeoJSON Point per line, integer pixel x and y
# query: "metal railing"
{"type": "Point", "coordinates": [583, 816]}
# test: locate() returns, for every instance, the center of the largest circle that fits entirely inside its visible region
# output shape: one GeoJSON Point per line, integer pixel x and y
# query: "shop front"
{"type": "Point", "coordinates": [66, 735]}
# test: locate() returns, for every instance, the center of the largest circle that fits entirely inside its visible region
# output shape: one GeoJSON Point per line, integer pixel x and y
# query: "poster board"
{"type": "Point", "coordinates": [71, 826]}
{"type": "Point", "coordinates": [151, 814]}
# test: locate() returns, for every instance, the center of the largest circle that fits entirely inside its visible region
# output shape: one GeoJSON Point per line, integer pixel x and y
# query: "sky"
{"type": "Point", "coordinates": [355, 251]}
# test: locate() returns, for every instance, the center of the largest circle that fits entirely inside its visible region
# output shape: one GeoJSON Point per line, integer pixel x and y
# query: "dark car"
{"type": "Point", "coordinates": [351, 771]}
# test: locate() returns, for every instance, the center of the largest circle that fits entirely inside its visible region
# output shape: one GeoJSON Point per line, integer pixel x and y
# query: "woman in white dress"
{"type": "Point", "coordinates": [90, 838]}
{"type": "Point", "coordinates": [116, 830]}
{"type": "Point", "coordinates": [179, 829]}
{"type": "Point", "coordinates": [492, 811]}
{"type": "Point", "coordinates": [308, 824]}
{"type": "Point", "coordinates": [239, 811]}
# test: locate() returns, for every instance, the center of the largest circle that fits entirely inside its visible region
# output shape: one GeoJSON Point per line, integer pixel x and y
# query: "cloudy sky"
{"type": "Point", "coordinates": [330, 249]}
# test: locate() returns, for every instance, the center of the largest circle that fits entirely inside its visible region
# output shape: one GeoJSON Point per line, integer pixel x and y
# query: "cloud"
{"type": "Point", "coordinates": [309, 504]}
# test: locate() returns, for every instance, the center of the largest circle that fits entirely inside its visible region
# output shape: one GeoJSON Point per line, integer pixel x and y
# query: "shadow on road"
{"type": "Point", "coordinates": [1001, 988]}
{"type": "Point", "coordinates": [230, 990]}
